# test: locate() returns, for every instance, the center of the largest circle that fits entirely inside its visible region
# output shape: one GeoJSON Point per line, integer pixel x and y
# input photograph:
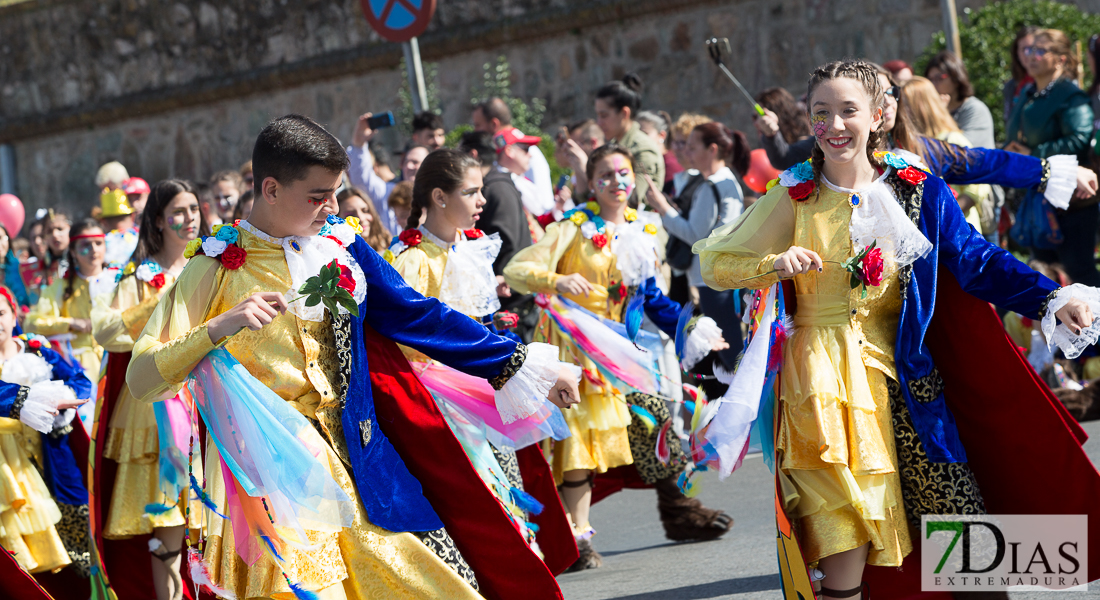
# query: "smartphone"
{"type": "Point", "coordinates": [383, 120]}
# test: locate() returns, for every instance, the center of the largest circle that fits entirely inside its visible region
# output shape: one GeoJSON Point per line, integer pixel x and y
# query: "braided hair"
{"type": "Point", "coordinates": [865, 73]}
{"type": "Point", "coordinates": [444, 169]}
{"type": "Point", "coordinates": [70, 275]}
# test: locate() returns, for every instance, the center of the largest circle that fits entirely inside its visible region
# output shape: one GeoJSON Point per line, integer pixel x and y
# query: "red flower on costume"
{"type": "Point", "coordinates": [912, 175]}
{"type": "Point", "coordinates": [801, 191]}
{"type": "Point", "coordinates": [473, 234]}
{"type": "Point", "coordinates": [544, 221]}
{"type": "Point", "coordinates": [505, 320]}
{"type": "Point", "coordinates": [871, 274]}
{"type": "Point", "coordinates": [34, 345]}
{"type": "Point", "coordinates": [158, 280]}
{"type": "Point", "coordinates": [599, 240]}
{"type": "Point", "coordinates": [410, 237]}
{"type": "Point", "coordinates": [233, 257]}
{"type": "Point", "coordinates": [346, 280]}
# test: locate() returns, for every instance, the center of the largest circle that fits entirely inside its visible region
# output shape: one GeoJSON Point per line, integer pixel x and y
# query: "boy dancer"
{"type": "Point", "coordinates": [408, 475]}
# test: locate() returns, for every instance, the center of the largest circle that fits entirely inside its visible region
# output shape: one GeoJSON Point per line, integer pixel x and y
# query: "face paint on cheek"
{"type": "Point", "coordinates": [819, 125]}
{"type": "Point", "coordinates": [177, 228]}
{"type": "Point", "coordinates": [315, 202]}
{"type": "Point", "coordinates": [626, 183]}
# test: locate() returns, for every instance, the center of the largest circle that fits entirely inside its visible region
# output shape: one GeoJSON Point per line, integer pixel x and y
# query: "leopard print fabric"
{"type": "Point", "coordinates": [928, 388]}
{"type": "Point", "coordinates": [73, 531]}
{"type": "Point", "coordinates": [929, 488]}
{"type": "Point", "coordinates": [20, 400]}
{"type": "Point", "coordinates": [510, 464]}
{"type": "Point", "coordinates": [643, 443]}
{"type": "Point", "coordinates": [440, 542]}
{"type": "Point", "coordinates": [510, 368]}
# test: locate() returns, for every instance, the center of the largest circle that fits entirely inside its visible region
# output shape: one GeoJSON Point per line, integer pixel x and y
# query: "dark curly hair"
{"type": "Point", "coordinates": [793, 123]}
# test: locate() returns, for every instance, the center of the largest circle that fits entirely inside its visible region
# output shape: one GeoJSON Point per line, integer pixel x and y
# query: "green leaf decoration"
{"type": "Point", "coordinates": [313, 300]}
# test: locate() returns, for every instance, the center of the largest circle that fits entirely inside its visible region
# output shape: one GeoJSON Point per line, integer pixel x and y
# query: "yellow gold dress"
{"type": "Point", "coordinates": [598, 423]}
{"type": "Point", "coordinates": [132, 442]}
{"type": "Point", "coordinates": [297, 360]}
{"type": "Point", "coordinates": [54, 313]}
{"type": "Point", "coordinates": [835, 443]}
{"type": "Point", "coordinates": [28, 513]}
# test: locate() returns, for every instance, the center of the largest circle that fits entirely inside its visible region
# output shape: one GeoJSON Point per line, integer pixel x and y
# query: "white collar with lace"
{"type": "Point", "coordinates": [304, 258]}
{"type": "Point", "coordinates": [877, 216]}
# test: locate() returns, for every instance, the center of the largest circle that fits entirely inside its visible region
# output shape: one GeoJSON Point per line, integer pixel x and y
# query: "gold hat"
{"type": "Point", "coordinates": [114, 203]}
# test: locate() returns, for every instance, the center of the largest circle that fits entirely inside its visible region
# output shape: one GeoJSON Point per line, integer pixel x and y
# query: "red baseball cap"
{"type": "Point", "coordinates": [510, 135]}
{"type": "Point", "coordinates": [135, 185]}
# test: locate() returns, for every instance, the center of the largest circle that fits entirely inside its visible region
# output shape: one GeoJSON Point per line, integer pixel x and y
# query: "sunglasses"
{"type": "Point", "coordinates": [895, 91]}
{"type": "Point", "coordinates": [1036, 51]}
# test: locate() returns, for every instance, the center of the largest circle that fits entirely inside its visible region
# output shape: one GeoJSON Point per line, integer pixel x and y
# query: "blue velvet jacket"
{"type": "Point", "coordinates": [982, 269]}
{"type": "Point", "coordinates": [61, 473]}
{"type": "Point", "coordinates": [391, 495]}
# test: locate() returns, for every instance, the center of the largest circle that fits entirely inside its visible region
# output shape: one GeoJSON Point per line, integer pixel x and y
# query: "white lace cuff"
{"type": "Point", "coordinates": [1062, 181]}
{"type": "Point", "coordinates": [700, 342]}
{"type": "Point", "coordinates": [41, 403]}
{"type": "Point", "coordinates": [1058, 334]}
{"type": "Point", "coordinates": [524, 393]}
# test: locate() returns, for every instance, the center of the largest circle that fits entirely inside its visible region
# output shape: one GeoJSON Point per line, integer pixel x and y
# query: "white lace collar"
{"type": "Point", "coordinates": [877, 216]}
{"type": "Point", "coordinates": [438, 241]}
{"type": "Point", "coordinates": [304, 258]}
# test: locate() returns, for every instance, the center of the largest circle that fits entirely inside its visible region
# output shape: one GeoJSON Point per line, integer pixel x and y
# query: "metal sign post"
{"type": "Point", "coordinates": [415, 72]}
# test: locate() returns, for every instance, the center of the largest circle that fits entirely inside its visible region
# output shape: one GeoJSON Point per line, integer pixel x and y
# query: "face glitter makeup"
{"type": "Point", "coordinates": [819, 125]}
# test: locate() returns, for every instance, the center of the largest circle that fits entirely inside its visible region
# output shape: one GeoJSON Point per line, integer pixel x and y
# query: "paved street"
{"type": "Point", "coordinates": [640, 564]}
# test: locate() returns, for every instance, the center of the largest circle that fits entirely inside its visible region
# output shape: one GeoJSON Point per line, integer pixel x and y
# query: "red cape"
{"type": "Point", "coordinates": [1021, 443]}
{"type": "Point", "coordinates": [505, 565]}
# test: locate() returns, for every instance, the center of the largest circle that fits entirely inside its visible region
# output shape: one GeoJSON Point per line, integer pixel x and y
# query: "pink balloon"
{"type": "Point", "coordinates": [12, 213]}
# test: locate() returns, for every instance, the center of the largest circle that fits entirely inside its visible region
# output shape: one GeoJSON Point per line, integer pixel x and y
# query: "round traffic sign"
{"type": "Point", "coordinates": [398, 20]}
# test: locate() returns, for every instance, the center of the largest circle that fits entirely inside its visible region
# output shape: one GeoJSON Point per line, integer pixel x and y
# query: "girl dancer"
{"type": "Point", "coordinates": [863, 418]}
{"type": "Point", "coordinates": [126, 430]}
{"type": "Point", "coordinates": [64, 311]}
{"type": "Point", "coordinates": [449, 258]}
{"type": "Point", "coordinates": [602, 257]}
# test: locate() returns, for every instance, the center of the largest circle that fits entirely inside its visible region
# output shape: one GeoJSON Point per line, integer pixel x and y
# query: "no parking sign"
{"type": "Point", "coordinates": [398, 20]}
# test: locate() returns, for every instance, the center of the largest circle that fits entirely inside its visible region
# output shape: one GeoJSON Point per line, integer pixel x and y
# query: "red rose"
{"type": "Point", "coordinates": [912, 175]}
{"type": "Point", "coordinates": [233, 257]}
{"type": "Point", "coordinates": [347, 283]}
{"type": "Point", "coordinates": [505, 320]}
{"type": "Point", "coordinates": [157, 281]}
{"type": "Point", "coordinates": [410, 237]}
{"type": "Point", "coordinates": [871, 273]}
{"type": "Point", "coordinates": [600, 240]}
{"type": "Point", "coordinates": [34, 344]}
{"type": "Point", "coordinates": [801, 190]}
{"type": "Point", "coordinates": [473, 234]}
{"type": "Point", "coordinates": [544, 221]}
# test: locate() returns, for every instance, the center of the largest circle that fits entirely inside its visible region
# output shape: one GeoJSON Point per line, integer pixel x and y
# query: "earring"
{"type": "Point", "coordinates": [443, 205]}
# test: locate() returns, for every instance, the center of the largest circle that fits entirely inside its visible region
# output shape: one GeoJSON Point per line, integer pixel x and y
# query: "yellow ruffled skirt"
{"type": "Point", "coordinates": [27, 511]}
{"type": "Point", "coordinates": [597, 423]}
{"type": "Point", "coordinates": [358, 562]}
{"type": "Point", "coordinates": [840, 478]}
{"type": "Point", "coordinates": [132, 442]}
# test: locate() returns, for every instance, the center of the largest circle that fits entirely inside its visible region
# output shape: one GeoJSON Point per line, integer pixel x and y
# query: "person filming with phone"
{"type": "Point", "coordinates": [362, 174]}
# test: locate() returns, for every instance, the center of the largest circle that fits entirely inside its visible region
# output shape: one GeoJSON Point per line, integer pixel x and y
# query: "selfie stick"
{"type": "Point", "coordinates": [714, 47]}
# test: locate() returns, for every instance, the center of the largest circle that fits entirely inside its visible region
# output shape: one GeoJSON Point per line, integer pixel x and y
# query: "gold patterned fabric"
{"type": "Point", "coordinates": [132, 442]}
{"type": "Point", "coordinates": [28, 513]}
{"type": "Point", "coordinates": [835, 443]}
{"type": "Point", "coordinates": [53, 314]}
{"type": "Point", "coordinates": [299, 361]}
{"type": "Point", "coordinates": [598, 422]}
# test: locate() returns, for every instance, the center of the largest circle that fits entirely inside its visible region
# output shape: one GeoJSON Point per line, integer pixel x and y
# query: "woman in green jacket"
{"type": "Point", "coordinates": [1053, 116]}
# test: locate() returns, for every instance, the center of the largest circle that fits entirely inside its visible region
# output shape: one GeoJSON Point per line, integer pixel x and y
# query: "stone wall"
{"type": "Point", "coordinates": [181, 89]}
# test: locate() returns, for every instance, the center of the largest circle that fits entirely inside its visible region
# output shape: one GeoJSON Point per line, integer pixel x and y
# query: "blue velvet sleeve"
{"type": "Point", "coordinates": [402, 314]}
{"type": "Point", "coordinates": [982, 269]}
{"type": "Point", "coordinates": [660, 309]}
{"type": "Point", "coordinates": [959, 165]}
{"type": "Point", "coordinates": [8, 394]}
{"type": "Point", "coordinates": [72, 375]}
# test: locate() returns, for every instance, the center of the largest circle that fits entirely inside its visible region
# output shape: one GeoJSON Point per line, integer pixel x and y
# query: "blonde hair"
{"type": "Point", "coordinates": [684, 126]}
{"type": "Point", "coordinates": [922, 104]}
